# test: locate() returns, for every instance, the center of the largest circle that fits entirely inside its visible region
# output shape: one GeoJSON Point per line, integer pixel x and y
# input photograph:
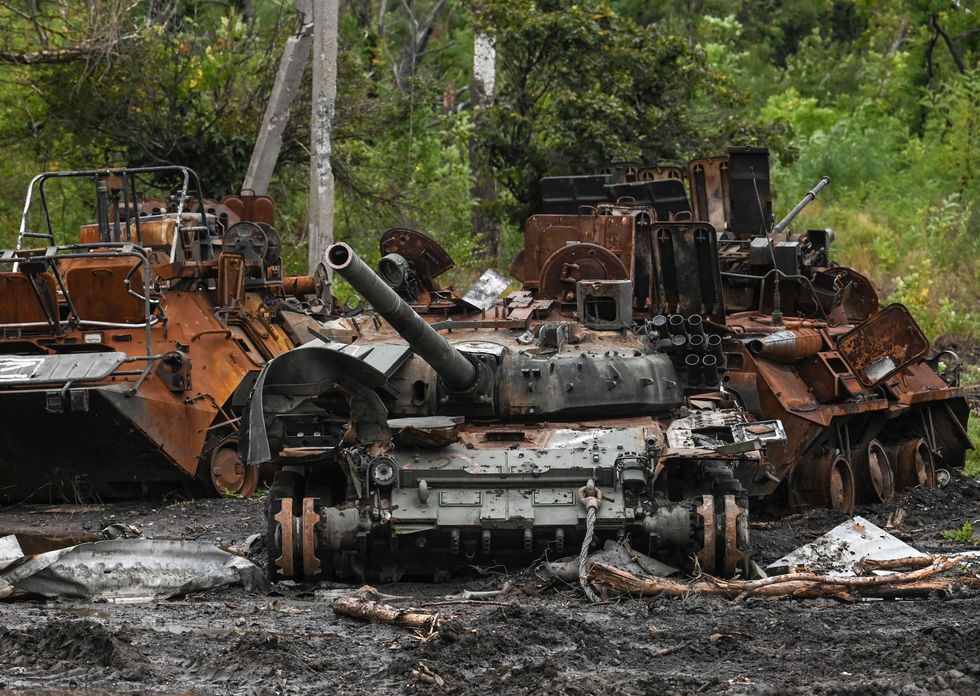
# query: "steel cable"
{"type": "Point", "coordinates": [590, 516]}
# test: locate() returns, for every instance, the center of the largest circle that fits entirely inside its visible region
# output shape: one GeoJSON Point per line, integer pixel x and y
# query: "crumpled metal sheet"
{"type": "Point", "coordinates": [485, 292]}
{"type": "Point", "coordinates": [129, 570]}
{"type": "Point", "coordinates": [10, 551]}
{"type": "Point", "coordinates": [837, 551]}
{"type": "Point", "coordinates": [614, 554]}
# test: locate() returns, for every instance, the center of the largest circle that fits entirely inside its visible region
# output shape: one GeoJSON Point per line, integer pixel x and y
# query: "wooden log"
{"type": "Point", "coordinates": [870, 564]}
{"type": "Point", "coordinates": [362, 604]}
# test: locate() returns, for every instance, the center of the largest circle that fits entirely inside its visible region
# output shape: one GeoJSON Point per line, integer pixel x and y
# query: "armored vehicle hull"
{"type": "Point", "coordinates": [867, 406]}
{"type": "Point", "coordinates": [410, 455]}
{"type": "Point", "coordinates": [125, 357]}
{"type": "Point", "coordinates": [670, 357]}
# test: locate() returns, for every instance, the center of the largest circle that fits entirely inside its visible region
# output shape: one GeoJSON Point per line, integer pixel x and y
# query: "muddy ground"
{"type": "Point", "coordinates": [538, 642]}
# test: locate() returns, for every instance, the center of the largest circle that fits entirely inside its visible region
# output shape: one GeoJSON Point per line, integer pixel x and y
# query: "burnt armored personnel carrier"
{"type": "Point", "coordinates": [461, 436]}
{"type": "Point", "coordinates": [126, 356]}
{"type": "Point", "coordinates": [867, 406]}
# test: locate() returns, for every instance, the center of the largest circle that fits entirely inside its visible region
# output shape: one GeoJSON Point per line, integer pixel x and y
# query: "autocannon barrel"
{"type": "Point", "coordinates": [807, 199]}
{"type": "Point", "coordinates": [455, 369]}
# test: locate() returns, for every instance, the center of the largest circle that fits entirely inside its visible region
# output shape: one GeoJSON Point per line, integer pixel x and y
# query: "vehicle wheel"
{"type": "Point", "coordinates": [914, 467]}
{"type": "Point", "coordinates": [228, 475]}
{"type": "Point", "coordinates": [285, 498]}
{"type": "Point", "coordinates": [874, 474]}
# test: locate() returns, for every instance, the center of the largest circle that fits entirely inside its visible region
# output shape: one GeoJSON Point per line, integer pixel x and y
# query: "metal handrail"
{"type": "Point", "coordinates": [153, 311]}
{"type": "Point", "coordinates": [188, 174]}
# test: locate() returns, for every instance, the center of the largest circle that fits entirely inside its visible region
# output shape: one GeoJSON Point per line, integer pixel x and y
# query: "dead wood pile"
{"type": "Point", "coordinates": [930, 575]}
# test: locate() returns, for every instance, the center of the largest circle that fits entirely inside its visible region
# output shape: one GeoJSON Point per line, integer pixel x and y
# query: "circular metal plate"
{"type": "Point", "coordinates": [575, 262]}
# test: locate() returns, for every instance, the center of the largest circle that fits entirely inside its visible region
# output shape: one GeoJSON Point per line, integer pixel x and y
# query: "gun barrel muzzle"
{"type": "Point", "coordinates": [456, 370]}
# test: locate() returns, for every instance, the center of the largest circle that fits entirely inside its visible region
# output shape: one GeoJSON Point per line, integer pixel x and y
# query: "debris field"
{"type": "Point", "coordinates": [498, 633]}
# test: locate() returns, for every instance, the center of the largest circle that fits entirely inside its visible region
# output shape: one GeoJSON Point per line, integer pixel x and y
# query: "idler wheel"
{"type": "Point", "coordinates": [229, 475]}
{"type": "Point", "coordinates": [876, 481]}
{"type": "Point", "coordinates": [914, 465]}
{"type": "Point", "coordinates": [826, 482]}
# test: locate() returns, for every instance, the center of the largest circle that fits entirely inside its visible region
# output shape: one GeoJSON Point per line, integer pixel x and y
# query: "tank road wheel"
{"type": "Point", "coordinates": [724, 535]}
{"type": "Point", "coordinates": [293, 543]}
{"type": "Point", "coordinates": [914, 466]}
{"type": "Point", "coordinates": [706, 556]}
{"type": "Point", "coordinates": [825, 482]}
{"type": "Point", "coordinates": [841, 485]}
{"type": "Point", "coordinates": [734, 555]}
{"type": "Point", "coordinates": [228, 474]}
{"type": "Point", "coordinates": [308, 539]}
{"type": "Point", "coordinates": [877, 481]}
{"type": "Point", "coordinates": [285, 500]}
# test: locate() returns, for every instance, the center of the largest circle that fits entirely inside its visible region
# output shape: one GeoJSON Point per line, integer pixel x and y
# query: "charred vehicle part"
{"type": "Point", "coordinates": [408, 455]}
{"type": "Point", "coordinates": [865, 406]}
{"type": "Point", "coordinates": [139, 341]}
{"type": "Point", "coordinates": [678, 352]}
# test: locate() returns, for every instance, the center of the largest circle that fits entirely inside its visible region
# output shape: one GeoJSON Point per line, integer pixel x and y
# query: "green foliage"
{"type": "Point", "coordinates": [190, 91]}
{"type": "Point", "coordinates": [882, 97]}
{"type": "Point", "coordinates": [972, 466]}
{"type": "Point", "coordinates": [581, 85]}
{"type": "Point", "coordinates": [963, 535]}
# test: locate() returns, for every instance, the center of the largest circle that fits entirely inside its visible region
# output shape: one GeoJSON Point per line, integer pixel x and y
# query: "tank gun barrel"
{"type": "Point", "coordinates": [455, 369]}
{"type": "Point", "coordinates": [807, 199]}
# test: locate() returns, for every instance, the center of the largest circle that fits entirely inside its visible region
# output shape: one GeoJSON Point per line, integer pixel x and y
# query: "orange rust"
{"type": "Point", "coordinates": [284, 518]}
{"type": "Point", "coordinates": [299, 285]}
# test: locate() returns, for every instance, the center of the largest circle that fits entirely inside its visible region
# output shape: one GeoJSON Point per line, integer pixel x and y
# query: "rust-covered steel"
{"type": "Point", "coordinates": [187, 293]}
{"type": "Point", "coordinates": [670, 350]}
{"type": "Point", "coordinates": [865, 407]}
{"type": "Point", "coordinates": [442, 435]}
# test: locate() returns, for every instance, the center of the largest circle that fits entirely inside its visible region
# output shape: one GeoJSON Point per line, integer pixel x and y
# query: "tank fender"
{"type": "Point", "coordinates": [308, 371]}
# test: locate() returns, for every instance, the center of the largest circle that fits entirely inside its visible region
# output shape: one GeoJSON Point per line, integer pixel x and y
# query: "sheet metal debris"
{"type": "Point", "coordinates": [613, 554]}
{"type": "Point", "coordinates": [10, 551]}
{"type": "Point", "coordinates": [127, 570]}
{"type": "Point", "coordinates": [836, 552]}
{"type": "Point", "coordinates": [487, 289]}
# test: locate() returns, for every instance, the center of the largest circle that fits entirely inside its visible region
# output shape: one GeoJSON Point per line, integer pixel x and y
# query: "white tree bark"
{"type": "Point", "coordinates": [321, 208]}
{"type": "Point", "coordinates": [484, 68]}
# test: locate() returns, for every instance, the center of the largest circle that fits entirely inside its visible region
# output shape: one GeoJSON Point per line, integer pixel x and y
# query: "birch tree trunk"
{"type": "Point", "coordinates": [485, 223]}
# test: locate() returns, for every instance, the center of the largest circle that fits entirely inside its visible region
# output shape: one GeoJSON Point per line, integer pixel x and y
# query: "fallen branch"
{"type": "Point", "coordinates": [363, 604]}
{"type": "Point", "coordinates": [795, 585]}
{"type": "Point", "coordinates": [424, 673]}
{"type": "Point", "coordinates": [869, 564]}
{"type": "Point", "coordinates": [477, 602]}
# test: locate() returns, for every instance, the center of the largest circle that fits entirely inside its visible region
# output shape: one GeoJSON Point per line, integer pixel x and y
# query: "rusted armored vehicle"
{"type": "Point", "coordinates": [126, 356]}
{"type": "Point", "coordinates": [670, 356]}
{"type": "Point", "coordinates": [866, 406]}
{"type": "Point", "coordinates": [442, 435]}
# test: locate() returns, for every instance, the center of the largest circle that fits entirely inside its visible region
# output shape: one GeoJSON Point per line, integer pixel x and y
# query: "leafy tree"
{"type": "Point", "coordinates": [581, 85]}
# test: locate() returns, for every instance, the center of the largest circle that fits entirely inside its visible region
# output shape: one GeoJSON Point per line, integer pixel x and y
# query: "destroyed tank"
{"type": "Point", "coordinates": [867, 406]}
{"type": "Point", "coordinates": [427, 434]}
{"type": "Point", "coordinates": [126, 357]}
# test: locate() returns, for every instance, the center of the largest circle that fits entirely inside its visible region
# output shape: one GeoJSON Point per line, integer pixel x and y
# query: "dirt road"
{"type": "Point", "coordinates": [537, 643]}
